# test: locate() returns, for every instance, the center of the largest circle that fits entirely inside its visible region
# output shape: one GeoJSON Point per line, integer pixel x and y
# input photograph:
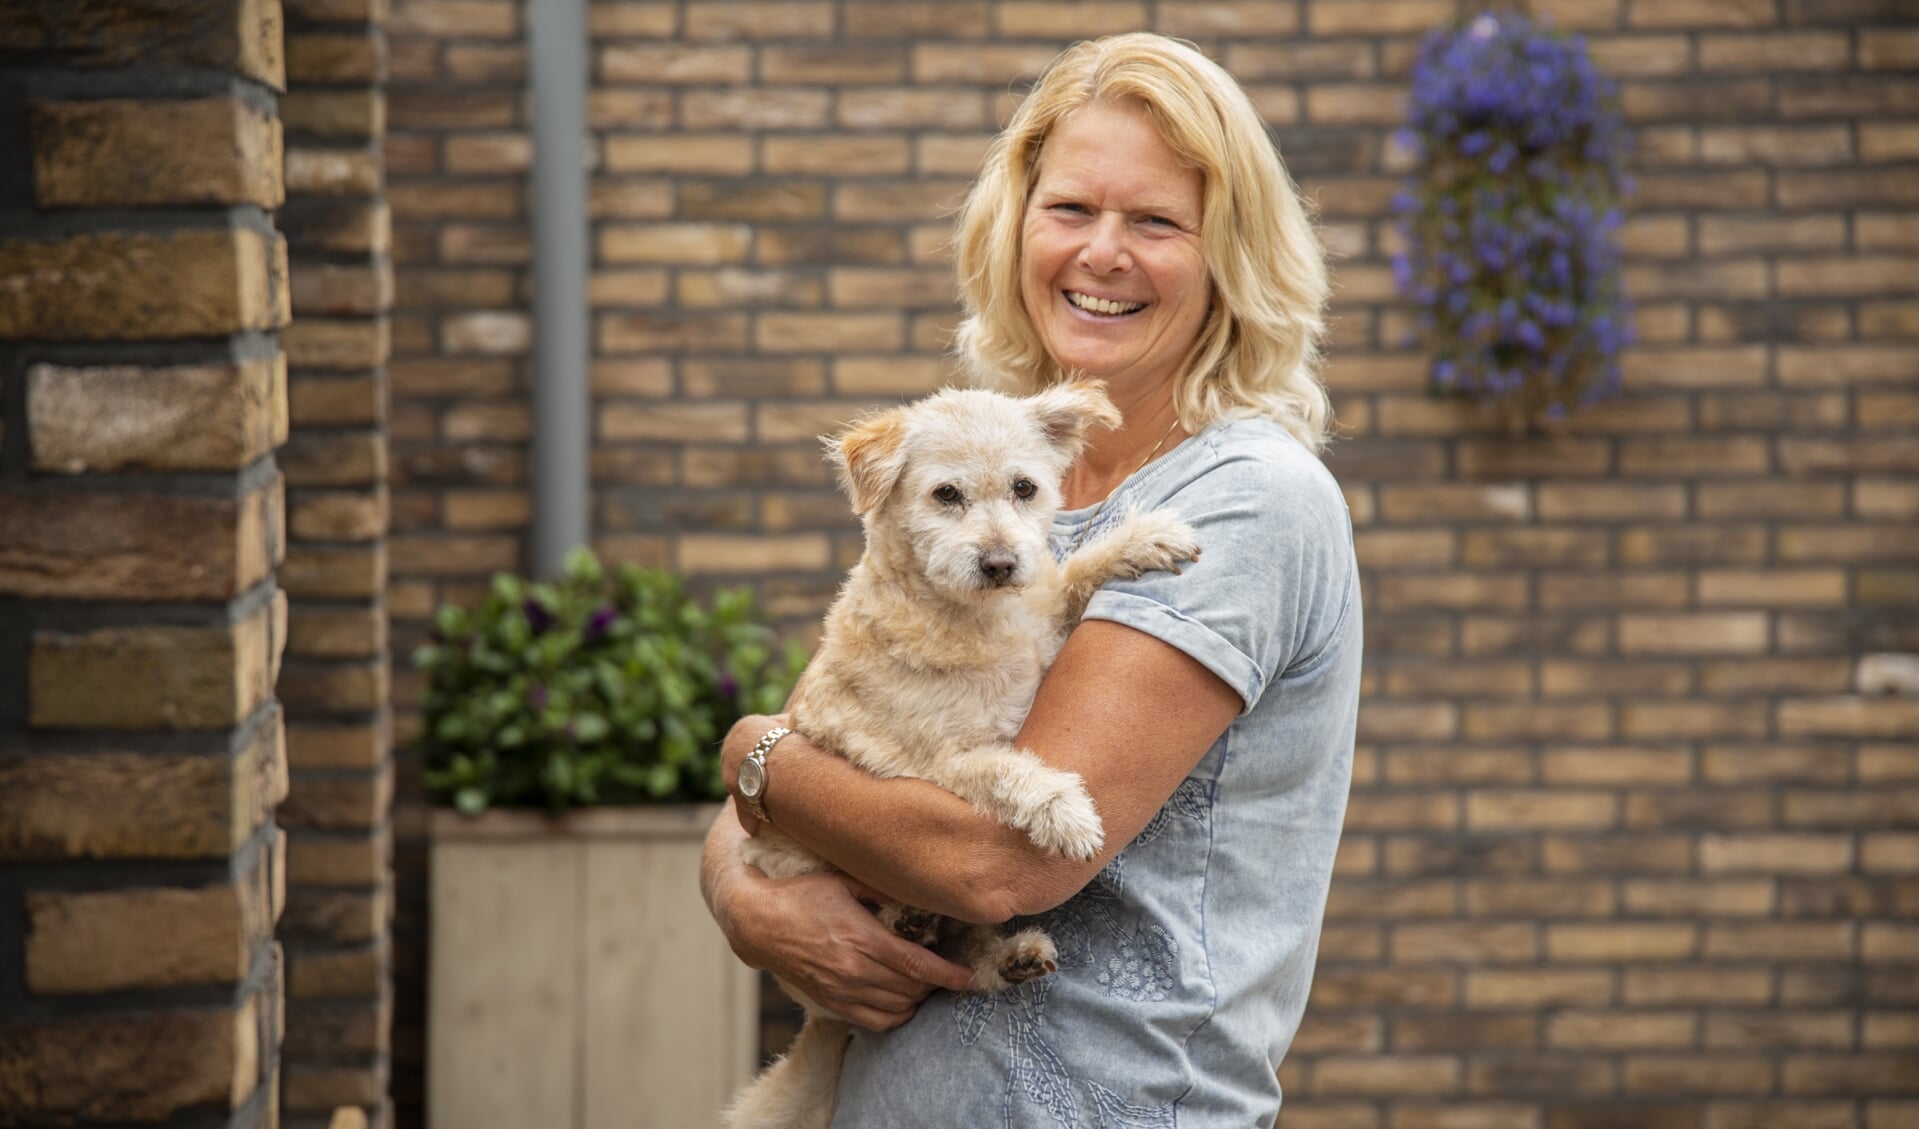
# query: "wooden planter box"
{"type": "Point", "coordinates": [575, 980]}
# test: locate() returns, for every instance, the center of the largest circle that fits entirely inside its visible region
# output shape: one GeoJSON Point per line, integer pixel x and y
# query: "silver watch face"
{"type": "Point", "coordinates": [752, 778]}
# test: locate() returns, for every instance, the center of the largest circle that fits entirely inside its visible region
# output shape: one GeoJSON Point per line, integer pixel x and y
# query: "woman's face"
{"type": "Point", "coordinates": [1111, 271]}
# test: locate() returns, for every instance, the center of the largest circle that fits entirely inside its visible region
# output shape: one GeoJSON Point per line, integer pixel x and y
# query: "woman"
{"type": "Point", "coordinates": [1132, 224]}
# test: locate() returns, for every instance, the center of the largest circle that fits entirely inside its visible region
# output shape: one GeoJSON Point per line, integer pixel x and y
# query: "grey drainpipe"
{"type": "Point", "coordinates": [560, 62]}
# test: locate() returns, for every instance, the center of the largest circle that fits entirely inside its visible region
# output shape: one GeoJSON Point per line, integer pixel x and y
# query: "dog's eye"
{"type": "Point", "coordinates": [949, 494]}
{"type": "Point", "coordinates": [1024, 489]}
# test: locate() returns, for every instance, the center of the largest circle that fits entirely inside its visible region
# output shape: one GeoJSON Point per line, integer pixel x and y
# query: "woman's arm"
{"type": "Point", "coordinates": [1129, 713]}
{"type": "Point", "coordinates": [817, 933]}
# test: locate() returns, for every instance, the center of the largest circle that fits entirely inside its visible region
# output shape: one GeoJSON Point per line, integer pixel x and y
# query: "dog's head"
{"type": "Point", "coordinates": [963, 485]}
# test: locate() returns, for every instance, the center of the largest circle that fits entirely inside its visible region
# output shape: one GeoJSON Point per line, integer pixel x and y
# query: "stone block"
{"type": "Point", "coordinates": [122, 1068]}
{"type": "Point", "coordinates": [334, 458]}
{"type": "Point", "coordinates": [352, 859]}
{"type": "Point", "coordinates": [338, 744]}
{"type": "Point", "coordinates": [351, 56]}
{"type": "Point", "coordinates": [121, 286]}
{"type": "Point", "coordinates": [342, 344]}
{"type": "Point", "coordinates": [335, 115]}
{"type": "Point", "coordinates": [335, 687]}
{"type": "Point", "coordinates": [150, 677]}
{"type": "Point", "coordinates": [336, 916]}
{"type": "Point", "coordinates": [342, 289]}
{"type": "Point", "coordinates": [318, 1028]}
{"type": "Point", "coordinates": [338, 400]}
{"type": "Point", "coordinates": [334, 572]}
{"type": "Point", "coordinates": [100, 941]}
{"type": "Point", "coordinates": [343, 226]}
{"type": "Point", "coordinates": [339, 515]}
{"type": "Point", "coordinates": [359, 971]}
{"type": "Point", "coordinates": [339, 802]}
{"type": "Point", "coordinates": [314, 171]}
{"type": "Point", "coordinates": [77, 546]}
{"type": "Point", "coordinates": [126, 153]}
{"type": "Point", "coordinates": [179, 417]}
{"type": "Point", "coordinates": [245, 36]}
{"type": "Point", "coordinates": [126, 805]}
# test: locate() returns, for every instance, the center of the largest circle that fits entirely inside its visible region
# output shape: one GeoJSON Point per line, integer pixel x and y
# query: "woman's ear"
{"type": "Point", "coordinates": [1067, 410]}
{"type": "Point", "coordinates": [870, 456]}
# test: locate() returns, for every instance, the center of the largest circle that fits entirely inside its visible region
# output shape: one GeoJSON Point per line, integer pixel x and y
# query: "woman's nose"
{"type": "Point", "coordinates": [1105, 250]}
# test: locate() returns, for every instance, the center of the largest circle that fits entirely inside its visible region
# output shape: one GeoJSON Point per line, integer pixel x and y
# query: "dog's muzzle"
{"type": "Point", "coordinates": [996, 568]}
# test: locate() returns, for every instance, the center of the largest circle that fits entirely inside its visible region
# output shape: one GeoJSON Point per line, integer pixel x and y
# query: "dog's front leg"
{"type": "Point", "coordinates": [1020, 790]}
{"type": "Point", "coordinates": [1140, 543]}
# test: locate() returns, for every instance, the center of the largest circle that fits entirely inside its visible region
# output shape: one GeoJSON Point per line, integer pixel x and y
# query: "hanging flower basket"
{"type": "Point", "coordinates": [1511, 219]}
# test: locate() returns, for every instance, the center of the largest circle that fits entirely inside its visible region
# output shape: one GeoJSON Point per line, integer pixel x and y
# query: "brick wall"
{"type": "Point", "coordinates": [335, 682]}
{"type": "Point", "coordinates": [142, 392]}
{"type": "Point", "coordinates": [1630, 839]}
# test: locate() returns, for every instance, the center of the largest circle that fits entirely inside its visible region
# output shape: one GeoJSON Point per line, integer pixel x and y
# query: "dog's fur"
{"type": "Point", "coordinates": [932, 654]}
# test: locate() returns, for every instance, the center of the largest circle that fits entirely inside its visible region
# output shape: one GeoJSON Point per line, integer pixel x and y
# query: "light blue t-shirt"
{"type": "Point", "coordinates": [1184, 965]}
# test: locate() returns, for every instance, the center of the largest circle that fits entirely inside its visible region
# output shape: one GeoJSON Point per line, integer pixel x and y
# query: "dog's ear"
{"type": "Point", "coordinates": [1067, 410]}
{"type": "Point", "coordinates": [870, 456]}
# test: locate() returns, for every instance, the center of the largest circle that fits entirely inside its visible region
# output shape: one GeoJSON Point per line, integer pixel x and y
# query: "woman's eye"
{"type": "Point", "coordinates": [1160, 221]}
{"type": "Point", "coordinates": [1024, 489]}
{"type": "Point", "coordinates": [949, 495]}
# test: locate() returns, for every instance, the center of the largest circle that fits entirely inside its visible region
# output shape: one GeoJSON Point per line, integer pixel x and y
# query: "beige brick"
{"type": "Point", "coordinates": [1569, 854]}
{"type": "Point", "coordinates": [1843, 188]}
{"type": "Point", "coordinates": [1614, 765]}
{"type": "Point", "coordinates": [674, 243]}
{"type": "Point", "coordinates": [331, 172]}
{"type": "Point", "coordinates": [230, 35]}
{"type": "Point", "coordinates": [671, 332]}
{"type": "Point", "coordinates": [1769, 499]}
{"type": "Point", "coordinates": [149, 677]}
{"type": "Point", "coordinates": [131, 1067]}
{"type": "Point", "coordinates": [1854, 717]}
{"type": "Point", "coordinates": [890, 375]}
{"type": "Point", "coordinates": [912, 107]}
{"type": "Point", "coordinates": [1692, 810]}
{"type": "Point", "coordinates": [828, 332]}
{"type": "Point", "coordinates": [614, 108]}
{"type": "Point", "coordinates": [1372, 372]}
{"type": "Point", "coordinates": [352, 972]}
{"type": "Point", "coordinates": [1540, 897]}
{"type": "Point", "coordinates": [1850, 1075]}
{"type": "Point", "coordinates": [1641, 55]}
{"type": "Point", "coordinates": [1780, 941]}
{"type": "Point", "coordinates": [1690, 720]}
{"type": "Point", "coordinates": [100, 286]}
{"type": "Point", "coordinates": [1702, 633]}
{"type": "Point", "coordinates": [1609, 502]}
{"type": "Point", "coordinates": [759, 19]}
{"type": "Point", "coordinates": [1537, 721]}
{"type": "Point", "coordinates": [1386, 1075]}
{"type": "Point", "coordinates": [674, 422]}
{"type": "Point", "coordinates": [1389, 17]}
{"type": "Point", "coordinates": [1538, 987]}
{"type": "Point", "coordinates": [675, 63]}
{"type": "Point", "coordinates": [1774, 853]}
{"type": "Point", "coordinates": [337, 344]}
{"type": "Point", "coordinates": [1719, 235]}
{"type": "Point", "coordinates": [722, 553]}
{"type": "Point", "coordinates": [1466, 942]}
{"type": "Point", "coordinates": [146, 938]}
{"type": "Point", "coordinates": [721, 154]}
{"type": "Point", "coordinates": [1621, 942]}
{"type": "Point", "coordinates": [844, 155]}
{"type": "Point", "coordinates": [117, 152]}
{"type": "Point", "coordinates": [999, 64]}
{"type": "Point", "coordinates": [188, 417]}
{"type": "Point", "coordinates": [1570, 678]}
{"type": "Point", "coordinates": [334, 458]}
{"type": "Point", "coordinates": [1700, 13]}
{"type": "Point", "coordinates": [835, 63]}
{"type": "Point", "coordinates": [1579, 635]}
{"type": "Point", "coordinates": [755, 108]}
{"type": "Point", "coordinates": [334, 572]}
{"type": "Point", "coordinates": [1652, 100]}
{"type": "Point", "coordinates": [1452, 764]}
{"type": "Point", "coordinates": [1621, 1030]}
{"type": "Point", "coordinates": [1546, 1075]}
{"type": "Point", "coordinates": [1693, 1075]}
{"type": "Point", "coordinates": [1696, 985]}
{"type": "Point", "coordinates": [335, 632]}
{"type": "Point", "coordinates": [1773, 1113]}
{"type": "Point", "coordinates": [1614, 590]}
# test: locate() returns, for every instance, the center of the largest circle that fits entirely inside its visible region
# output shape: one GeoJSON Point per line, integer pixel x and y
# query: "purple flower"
{"type": "Point", "coordinates": [536, 696]}
{"type": "Point", "coordinates": [727, 686]}
{"type": "Point", "coordinates": [537, 617]}
{"type": "Point", "coordinates": [602, 619]}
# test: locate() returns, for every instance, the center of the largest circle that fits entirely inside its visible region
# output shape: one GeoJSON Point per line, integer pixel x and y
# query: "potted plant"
{"type": "Point", "coordinates": [1510, 219]}
{"type": "Point", "coordinates": [571, 730]}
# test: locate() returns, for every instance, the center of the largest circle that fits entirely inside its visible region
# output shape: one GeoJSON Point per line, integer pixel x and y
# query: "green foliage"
{"type": "Point", "coordinates": [600, 689]}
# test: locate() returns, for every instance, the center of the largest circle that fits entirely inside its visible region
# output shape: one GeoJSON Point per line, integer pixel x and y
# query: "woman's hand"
{"type": "Point", "coordinates": [817, 933]}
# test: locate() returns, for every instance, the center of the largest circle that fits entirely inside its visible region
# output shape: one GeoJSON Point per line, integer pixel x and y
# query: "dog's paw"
{"type": "Point", "coordinates": [1065, 821]}
{"type": "Point", "coordinates": [920, 926]}
{"type": "Point", "coordinates": [1157, 541]}
{"type": "Point", "coordinates": [1027, 955]}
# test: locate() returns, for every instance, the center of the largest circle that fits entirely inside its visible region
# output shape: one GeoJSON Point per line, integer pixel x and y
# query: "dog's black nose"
{"type": "Point", "coordinates": [997, 566]}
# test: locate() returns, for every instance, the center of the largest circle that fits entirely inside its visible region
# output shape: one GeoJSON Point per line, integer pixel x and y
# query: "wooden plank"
{"type": "Point", "coordinates": [504, 986]}
{"type": "Point", "coordinates": [671, 1014]}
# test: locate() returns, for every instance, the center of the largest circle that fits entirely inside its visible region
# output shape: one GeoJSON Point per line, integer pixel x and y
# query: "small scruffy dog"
{"type": "Point", "coordinates": [932, 655]}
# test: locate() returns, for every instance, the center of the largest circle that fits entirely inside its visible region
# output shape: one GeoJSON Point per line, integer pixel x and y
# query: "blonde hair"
{"type": "Point", "coordinates": [1258, 352]}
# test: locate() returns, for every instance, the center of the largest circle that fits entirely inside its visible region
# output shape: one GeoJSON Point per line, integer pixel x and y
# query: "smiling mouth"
{"type": "Point", "coordinates": [1101, 306]}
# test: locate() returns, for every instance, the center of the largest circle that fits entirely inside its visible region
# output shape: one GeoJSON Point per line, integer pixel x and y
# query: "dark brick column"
{"type": "Point", "coordinates": [336, 682]}
{"type": "Point", "coordinates": [142, 394]}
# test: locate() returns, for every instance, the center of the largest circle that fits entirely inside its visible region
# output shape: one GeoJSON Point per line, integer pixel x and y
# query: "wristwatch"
{"type": "Point", "coordinates": [752, 783]}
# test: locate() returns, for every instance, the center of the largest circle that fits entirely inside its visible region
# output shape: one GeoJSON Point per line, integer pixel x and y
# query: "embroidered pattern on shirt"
{"type": "Point", "coordinates": [1132, 960]}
